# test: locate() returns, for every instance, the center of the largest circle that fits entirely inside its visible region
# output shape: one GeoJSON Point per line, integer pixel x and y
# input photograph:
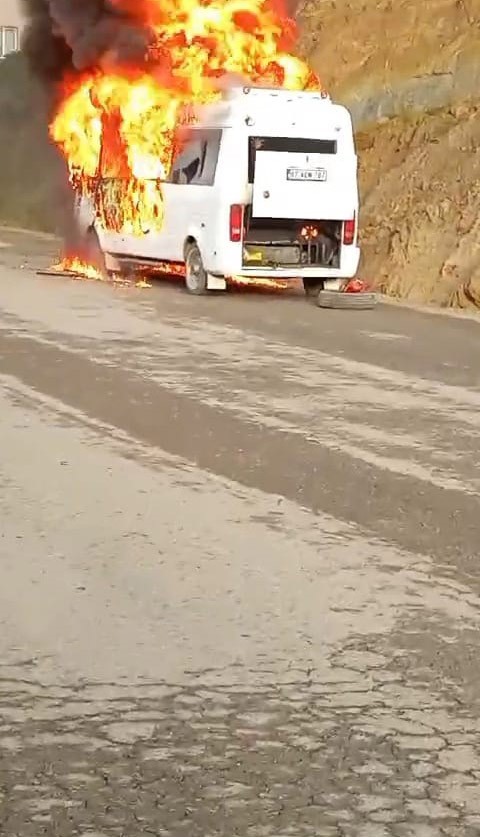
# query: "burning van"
{"type": "Point", "coordinates": [264, 185]}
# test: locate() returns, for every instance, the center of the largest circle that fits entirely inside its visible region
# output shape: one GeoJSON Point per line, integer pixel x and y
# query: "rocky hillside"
{"type": "Point", "coordinates": [364, 47]}
{"type": "Point", "coordinates": [420, 171]}
{"type": "Point", "coordinates": [421, 206]}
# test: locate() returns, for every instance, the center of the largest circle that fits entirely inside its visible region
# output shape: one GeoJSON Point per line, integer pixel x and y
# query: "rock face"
{"type": "Point", "coordinates": [364, 47]}
{"type": "Point", "coordinates": [410, 73]}
{"type": "Point", "coordinates": [421, 193]}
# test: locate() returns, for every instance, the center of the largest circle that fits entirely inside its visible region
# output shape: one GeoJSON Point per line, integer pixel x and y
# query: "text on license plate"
{"type": "Point", "coordinates": [307, 174]}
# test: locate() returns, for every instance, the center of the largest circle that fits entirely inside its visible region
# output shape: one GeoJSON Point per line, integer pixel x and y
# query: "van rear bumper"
{"type": "Point", "coordinates": [349, 261]}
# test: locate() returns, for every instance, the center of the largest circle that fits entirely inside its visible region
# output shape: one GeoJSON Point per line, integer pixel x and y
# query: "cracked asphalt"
{"type": "Point", "coordinates": [239, 544]}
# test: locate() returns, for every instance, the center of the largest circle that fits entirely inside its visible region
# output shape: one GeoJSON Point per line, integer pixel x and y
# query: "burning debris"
{"type": "Point", "coordinates": [128, 74]}
{"type": "Point", "coordinates": [75, 268]}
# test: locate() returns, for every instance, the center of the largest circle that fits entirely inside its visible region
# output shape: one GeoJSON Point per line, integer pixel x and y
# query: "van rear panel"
{"type": "Point", "coordinates": [283, 242]}
{"type": "Point", "coordinates": [296, 177]}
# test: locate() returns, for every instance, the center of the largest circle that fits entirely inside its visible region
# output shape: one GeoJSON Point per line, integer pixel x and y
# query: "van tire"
{"type": "Point", "coordinates": [312, 287]}
{"type": "Point", "coordinates": [94, 254]}
{"type": "Point", "coordinates": [196, 277]}
{"type": "Point", "coordinates": [339, 299]}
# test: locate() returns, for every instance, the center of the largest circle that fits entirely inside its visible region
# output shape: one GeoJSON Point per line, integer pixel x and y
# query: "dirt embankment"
{"type": "Point", "coordinates": [419, 171]}
{"type": "Point", "coordinates": [361, 47]}
{"type": "Point", "coordinates": [421, 198]}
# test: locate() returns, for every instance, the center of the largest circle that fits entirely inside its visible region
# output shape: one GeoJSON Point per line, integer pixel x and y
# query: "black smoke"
{"type": "Point", "coordinates": [46, 50]}
{"type": "Point", "coordinates": [77, 35]}
{"type": "Point", "coordinates": [71, 36]}
{"type": "Point", "coordinates": [81, 34]}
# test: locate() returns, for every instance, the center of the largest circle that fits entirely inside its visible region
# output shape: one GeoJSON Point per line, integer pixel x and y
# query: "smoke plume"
{"type": "Point", "coordinates": [80, 34]}
{"type": "Point", "coordinates": [65, 36]}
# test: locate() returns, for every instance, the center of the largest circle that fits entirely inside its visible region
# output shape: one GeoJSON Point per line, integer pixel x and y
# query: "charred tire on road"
{"type": "Point", "coordinates": [195, 274]}
{"type": "Point", "coordinates": [338, 299]}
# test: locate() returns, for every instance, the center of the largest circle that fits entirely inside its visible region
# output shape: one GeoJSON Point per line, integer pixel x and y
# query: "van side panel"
{"type": "Point", "coordinates": [197, 204]}
{"type": "Point", "coordinates": [221, 255]}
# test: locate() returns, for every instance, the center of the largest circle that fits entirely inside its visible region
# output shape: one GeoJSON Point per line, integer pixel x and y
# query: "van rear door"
{"type": "Point", "coordinates": [301, 178]}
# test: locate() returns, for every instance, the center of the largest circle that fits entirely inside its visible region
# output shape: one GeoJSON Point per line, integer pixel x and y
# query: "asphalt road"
{"type": "Point", "coordinates": [239, 543]}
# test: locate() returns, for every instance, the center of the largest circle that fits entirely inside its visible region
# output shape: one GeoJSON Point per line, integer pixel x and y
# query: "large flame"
{"type": "Point", "coordinates": [125, 123]}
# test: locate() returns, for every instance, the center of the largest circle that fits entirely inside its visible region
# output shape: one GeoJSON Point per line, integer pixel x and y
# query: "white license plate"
{"type": "Point", "coordinates": [318, 175]}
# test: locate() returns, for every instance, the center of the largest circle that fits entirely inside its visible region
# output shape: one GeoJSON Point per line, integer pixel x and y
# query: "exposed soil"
{"type": "Point", "coordinates": [420, 172]}
{"type": "Point", "coordinates": [421, 195]}
{"type": "Point", "coordinates": [359, 46]}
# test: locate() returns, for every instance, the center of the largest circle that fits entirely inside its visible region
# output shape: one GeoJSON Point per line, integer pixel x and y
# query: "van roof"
{"type": "Point", "coordinates": [258, 93]}
{"type": "Point", "coordinates": [247, 106]}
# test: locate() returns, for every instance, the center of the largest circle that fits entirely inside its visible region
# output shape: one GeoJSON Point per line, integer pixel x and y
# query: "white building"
{"type": "Point", "coordinates": [11, 25]}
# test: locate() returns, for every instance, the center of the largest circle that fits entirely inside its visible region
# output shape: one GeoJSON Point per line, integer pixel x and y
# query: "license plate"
{"type": "Point", "coordinates": [318, 175]}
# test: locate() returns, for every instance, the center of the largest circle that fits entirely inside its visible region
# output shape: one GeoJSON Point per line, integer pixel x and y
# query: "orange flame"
{"type": "Point", "coordinates": [259, 282]}
{"type": "Point", "coordinates": [124, 123]}
{"type": "Point", "coordinates": [77, 267]}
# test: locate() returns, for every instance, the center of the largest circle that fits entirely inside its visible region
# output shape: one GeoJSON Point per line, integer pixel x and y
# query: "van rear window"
{"type": "Point", "coordinates": [287, 144]}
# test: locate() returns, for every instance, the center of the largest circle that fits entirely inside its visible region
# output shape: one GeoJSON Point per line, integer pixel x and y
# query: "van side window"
{"type": "Point", "coordinates": [188, 162]}
{"type": "Point", "coordinates": [196, 163]}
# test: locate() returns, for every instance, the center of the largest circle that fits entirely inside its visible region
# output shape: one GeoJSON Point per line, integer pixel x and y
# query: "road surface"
{"type": "Point", "coordinates": [239, 543]}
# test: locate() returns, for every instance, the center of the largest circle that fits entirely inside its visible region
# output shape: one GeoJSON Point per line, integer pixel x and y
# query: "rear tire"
{"type": "Point", "coordinates": [94, 254]}
{"type": "Point", "coordinates": [312, 287]}
{"type": "Point", "coordinates": [196, 278]}
{"type": "Point", "coordinates": [338, 299]}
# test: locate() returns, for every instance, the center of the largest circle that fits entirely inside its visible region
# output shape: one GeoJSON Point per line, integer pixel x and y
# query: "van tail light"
{"type": "Point", "coordinates": [236, 222]}
{"type": "Point", "coordinates": [349, 230]}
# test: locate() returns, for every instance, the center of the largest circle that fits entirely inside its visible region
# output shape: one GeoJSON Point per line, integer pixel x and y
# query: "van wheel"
{"type": "Point", "coordinates": [93, 253]}
{"type": "Point", "coordinates": [312, 287]}
{"type": "Point", "coordinates": [195, 273]}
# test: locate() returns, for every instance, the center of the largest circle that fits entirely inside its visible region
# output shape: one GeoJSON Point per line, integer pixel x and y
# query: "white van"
{"type": "Point", "coordinates": [265, 186]}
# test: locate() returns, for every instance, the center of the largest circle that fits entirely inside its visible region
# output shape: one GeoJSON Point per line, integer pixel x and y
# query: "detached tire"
{"type": "Point", "coordinates": [338, 299]}
{"type": "Point", "coordinates": [195, 274]}
{"type": "Point", "coordinates": [312, 287]}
